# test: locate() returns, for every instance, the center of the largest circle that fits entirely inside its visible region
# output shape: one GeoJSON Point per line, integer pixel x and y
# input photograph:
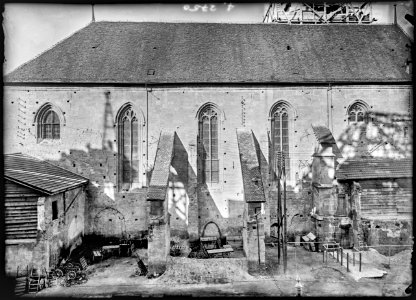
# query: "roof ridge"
{"type": "Point", "coordinates": [259, 23]}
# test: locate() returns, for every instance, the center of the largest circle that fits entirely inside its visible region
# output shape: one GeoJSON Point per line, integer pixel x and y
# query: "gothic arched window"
{"type": "Point", "coordinates": [280, 136]}
{"type": "Point", "coordinates": [208, 144]}
{"type": "Point", "coordinates": [357, 113]}
{"type": "Point", "coordinates": [128, 145]}
{"type": "Point", "coordinates": [48, 124]}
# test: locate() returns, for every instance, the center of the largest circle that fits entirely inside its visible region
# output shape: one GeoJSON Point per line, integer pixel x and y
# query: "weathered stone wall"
{"type": "Point", "coordinates": [88, 143]}
{"type": "Point", "coordinates": [63, 234]}
{"type": "Point", "coordinates": [388, 232]}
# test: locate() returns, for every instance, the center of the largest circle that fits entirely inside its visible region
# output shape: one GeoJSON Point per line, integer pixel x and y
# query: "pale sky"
{"type": "Point", "coordinates": [30, 29]}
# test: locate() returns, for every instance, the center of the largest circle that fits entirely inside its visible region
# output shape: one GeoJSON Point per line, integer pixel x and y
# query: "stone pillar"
{"type": "Point", "coordinates": [324, 193]}
{"type": "Point", "coordinates": [356, 214]}
{"type": "Point", "coordinates": [193, 210]}
{"type": "Point", "coordinates": [253, 237]}
{"type": "Point", "coordinates": [159, 236]}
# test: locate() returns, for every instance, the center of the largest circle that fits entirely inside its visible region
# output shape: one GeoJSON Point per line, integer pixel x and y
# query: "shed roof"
{"type": "Point", "coordinates": [372, 168]}
{"type": "Point", "coordinates": [127, 52]}
{"type": "Point", "coordinates": [40, 175]}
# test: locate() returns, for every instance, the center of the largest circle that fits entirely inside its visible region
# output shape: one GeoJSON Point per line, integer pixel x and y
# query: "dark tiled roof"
{"type": "Point", "coordinates": [374, 168]}
{"type": "Point", "coordinates": [160, 175]}
{"type": "Point", "coordinates": [324, 136]}
{"type": "Point", "coordinates": [40, 175]}
{"type": "Point", "coordinates": [123, 52]}
{"type": "Point", "coordinates": [250, 167]}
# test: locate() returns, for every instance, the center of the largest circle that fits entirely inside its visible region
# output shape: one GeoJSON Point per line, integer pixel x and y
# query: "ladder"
{"type": "Point", "coordinates": [20, 287]}
{"type": "Point", "coordinates": [37, 280]}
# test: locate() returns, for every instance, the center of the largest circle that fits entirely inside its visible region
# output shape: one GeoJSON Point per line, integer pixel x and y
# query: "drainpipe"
{"type": "Point", "coordinates": [395, 15]}
{"type": "Point", "coordinates": [329, 106]}
{"type": "Point", "coordinates": [147, 132]}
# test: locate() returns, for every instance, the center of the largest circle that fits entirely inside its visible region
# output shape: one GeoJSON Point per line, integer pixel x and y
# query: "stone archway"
{"type": "Point", "coordinates": [211, 229]}
{"type": "Point", "coordinates": [109, 222]}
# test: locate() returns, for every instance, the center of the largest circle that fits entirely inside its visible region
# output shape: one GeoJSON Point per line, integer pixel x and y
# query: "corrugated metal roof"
{"type": "Point", "coordinates": [40, 175]}
{"type": "Point", "coordinates": [374, 168]}
{"type": "Point", "coordinates": [324, 136]}
{"type": "Point", "coordinates": [123, 52]}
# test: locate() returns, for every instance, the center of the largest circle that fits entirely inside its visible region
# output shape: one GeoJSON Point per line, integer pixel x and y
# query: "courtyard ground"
{"type": "Point", "coordinates": [116, 277]}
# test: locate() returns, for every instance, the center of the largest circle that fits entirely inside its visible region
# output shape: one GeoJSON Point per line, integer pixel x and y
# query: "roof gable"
{"type": "Point", "coordinates": [123, 52]}
{"type": "Point", "coordinates": [40, 175]}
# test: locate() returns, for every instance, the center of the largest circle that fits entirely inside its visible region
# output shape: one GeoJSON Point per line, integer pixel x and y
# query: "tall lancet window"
{"type": "Point", "coordinates": [208, 144]}
{"type": "Point", "coordinates": [280, 135]}
{"type": "Point", "coordinates": [128, 132]}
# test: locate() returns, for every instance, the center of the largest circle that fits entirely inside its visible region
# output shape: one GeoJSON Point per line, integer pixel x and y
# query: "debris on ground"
{"type": "Point", "coordinates": [213, 270]}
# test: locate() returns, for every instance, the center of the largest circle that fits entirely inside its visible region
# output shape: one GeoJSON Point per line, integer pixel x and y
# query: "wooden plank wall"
{"type": "Point", "coordinates": [386, 197]}
{"type": "Point", "coordinates": [21, 217]}
{"type": "Point", "coordinates": [12, 189]}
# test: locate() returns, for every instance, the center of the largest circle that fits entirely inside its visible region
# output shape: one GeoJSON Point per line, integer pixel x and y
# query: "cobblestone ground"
{"type": "Point", "coordinates": [115, 277]}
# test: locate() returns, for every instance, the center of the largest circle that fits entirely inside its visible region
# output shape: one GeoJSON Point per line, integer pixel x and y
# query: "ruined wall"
{"type": "Point", "coordinates": [88, 143]}
{"type": "Point", "coordinates": [65, 233]}
{"type": "Point", "coordinates": [388, 232]}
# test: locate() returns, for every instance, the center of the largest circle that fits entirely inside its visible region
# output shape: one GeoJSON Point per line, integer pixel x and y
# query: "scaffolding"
{"type": "Point", "coordinates": [322, 13]}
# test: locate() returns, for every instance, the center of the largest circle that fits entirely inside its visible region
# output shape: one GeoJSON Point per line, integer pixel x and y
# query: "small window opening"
{"type": "Point", "coordinates": [54, 210]}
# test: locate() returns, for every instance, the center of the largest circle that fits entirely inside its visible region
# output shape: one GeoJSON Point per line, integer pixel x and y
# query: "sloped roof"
{"type": "Point", "coordinates": [372, 168]}
{"type": "Point", "coordinates": [324, 136]}
{"type": "Point", "coordinates": [160, 174]}
{"type": "Point", "coordinates": [124, 52]}
{"type": "Point", "coordinates": [250, 167]}
{"type": "Point", "coordinates": [40, 175]}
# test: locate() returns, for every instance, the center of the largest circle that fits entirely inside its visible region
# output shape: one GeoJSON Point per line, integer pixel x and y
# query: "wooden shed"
{"type": "Point", "coordinates": [44, 208]}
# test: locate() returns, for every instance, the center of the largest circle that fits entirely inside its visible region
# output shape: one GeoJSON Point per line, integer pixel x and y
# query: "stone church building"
{"type": "Point", "coordinates": [190, 117]}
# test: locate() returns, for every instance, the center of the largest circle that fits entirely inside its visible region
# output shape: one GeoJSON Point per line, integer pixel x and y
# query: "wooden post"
{"type": "Point", "coordinates": [389, 255]}
{"type": "Point", "coordinates": [342, 256]}
{"type": "Point", "coordinates": [337, 254]}
{"type": "Point", "coordinates": [258, 238]}
{"type": "Point", "coordinates": [326, 256]}
{"type": "Point", "coordinates": [284, 217]}
{"type": "Point", "coordinates": [348, 262]}
{"type": "Point", "coordinates": [353, 258]}
{"type": "Point", "coordinates": [323, 256]}
{"type": "Point", "coordinates": [279, 209]}
{"type": "Point", "coordinates": [360, 261]}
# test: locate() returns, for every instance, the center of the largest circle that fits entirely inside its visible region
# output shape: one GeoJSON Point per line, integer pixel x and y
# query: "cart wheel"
{"type": "Point", "coordinates": [77, 267]}
{"type": "Point", "coordinates": [69, 265]}
{"type": "Point", "coordinates": [71, 274]}
{"type": "Point", "coordinates": [59, 273]}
